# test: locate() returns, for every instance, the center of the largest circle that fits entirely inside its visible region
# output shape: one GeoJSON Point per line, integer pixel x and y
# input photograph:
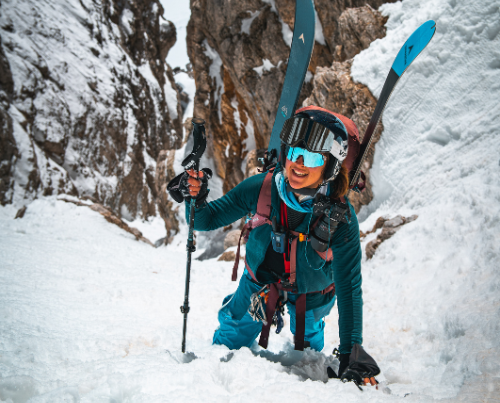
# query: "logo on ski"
{"type": "Point", "coordinates": [284, 111]}
{"type": "Point", "coordinates": [302, 37]}
{"type": "Point", "coordinates": [408, 50]}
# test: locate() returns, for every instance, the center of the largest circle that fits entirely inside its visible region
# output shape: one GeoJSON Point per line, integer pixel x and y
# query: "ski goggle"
{"type": "Point", "coordinates": [311, 160]}
{"type": "Point", "coordinates": [315, 136]}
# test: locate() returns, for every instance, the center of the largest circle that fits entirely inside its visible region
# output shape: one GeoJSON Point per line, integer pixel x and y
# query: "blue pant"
{"type": "Point", "coordinates": [237, 328]}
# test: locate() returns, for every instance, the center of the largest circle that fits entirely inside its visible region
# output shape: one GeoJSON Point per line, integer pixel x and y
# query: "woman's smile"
{"type": "Point", "coordinates": [299, 176]}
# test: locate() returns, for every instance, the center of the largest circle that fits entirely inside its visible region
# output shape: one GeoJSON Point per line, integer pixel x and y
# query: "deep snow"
{"type": "Point", "coordinates": [89, 314]}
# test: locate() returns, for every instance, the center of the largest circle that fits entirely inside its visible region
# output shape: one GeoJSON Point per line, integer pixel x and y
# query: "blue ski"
{"type": "Point", "coordinates": [407, 54]}
{"type": "Point", "coordinates": [298, 62]}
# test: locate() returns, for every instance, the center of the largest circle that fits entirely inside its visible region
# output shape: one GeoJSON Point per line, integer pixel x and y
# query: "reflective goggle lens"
{"type": "Point", "coordinates": [311, 160]}
{"type": "Point", "coordinates": [315, 136]}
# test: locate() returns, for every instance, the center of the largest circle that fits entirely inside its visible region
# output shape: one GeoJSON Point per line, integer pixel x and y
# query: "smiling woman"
{"type": "Point", "coordinates": [301, 221]}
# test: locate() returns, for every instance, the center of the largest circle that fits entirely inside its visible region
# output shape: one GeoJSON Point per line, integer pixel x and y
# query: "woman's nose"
{"type": "Point", "coordinates": [300, 160]}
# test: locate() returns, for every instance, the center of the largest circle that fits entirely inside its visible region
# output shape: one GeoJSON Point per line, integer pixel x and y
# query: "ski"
{"type": "Point", "coordinates": [406, 55]}
{"type": "Point", "coordinates": [298, 62]}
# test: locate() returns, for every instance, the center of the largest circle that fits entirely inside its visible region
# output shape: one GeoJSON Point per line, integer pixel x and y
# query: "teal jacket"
{"type": "Point", "coordinates": [313, 274]}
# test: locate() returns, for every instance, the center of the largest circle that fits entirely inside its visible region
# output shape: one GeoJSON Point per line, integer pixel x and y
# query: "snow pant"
{"type": "Point", "coordinates": [237, 328]}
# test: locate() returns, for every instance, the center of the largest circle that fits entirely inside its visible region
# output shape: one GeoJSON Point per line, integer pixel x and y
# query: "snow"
{"type": "Point", "coordinates": [178, 12]}
{"type": "Point", "coordinates": [67, 80]}
{"type": "Point", "coordinates": [285, 29]}
{"type": "Point", "coordinates": [90, 314]}
{"type": "Point", "coordinates": [126, 21]}
{"type": "Point", "coordinates": [215, 74]}
{"type": "Point", "coordinates": [246, 23]}
{"type": "Point", "coordinates": [267, 65]}
{"type": "Point", "coordinates": [171, 98]}
{"type": "Point", "coordinates": [188, 85]}
{"type": "Point", "coordinates": [318, 30]}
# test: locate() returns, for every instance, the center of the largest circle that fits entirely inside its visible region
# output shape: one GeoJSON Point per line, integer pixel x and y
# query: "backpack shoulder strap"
{"type": "Point", "coordinates": [264, 202]}
{"type": "Point", "coordinates": [261, 217]}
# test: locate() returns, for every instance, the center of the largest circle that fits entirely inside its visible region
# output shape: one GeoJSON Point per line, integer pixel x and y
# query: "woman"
{"type": "Point", "coordinates": [289, 258]}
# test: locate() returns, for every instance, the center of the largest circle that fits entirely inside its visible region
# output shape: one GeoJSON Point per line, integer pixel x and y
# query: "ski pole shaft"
{"type": "Point", "coordinates": [192, 161]}
{"type": "Point", "coordinates": [190, 249]}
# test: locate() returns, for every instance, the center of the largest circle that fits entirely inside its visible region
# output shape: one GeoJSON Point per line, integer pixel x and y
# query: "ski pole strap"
{"type": "Point", "coordinates": [270, 308]}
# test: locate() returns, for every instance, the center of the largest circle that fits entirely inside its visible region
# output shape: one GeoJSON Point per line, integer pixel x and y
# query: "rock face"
{"type": "Point", "coordinates": [87, 104]}
{"type": "Point", "coordinates": [389, 228]}
{"type": "Point", "coordinates": [239, 53]}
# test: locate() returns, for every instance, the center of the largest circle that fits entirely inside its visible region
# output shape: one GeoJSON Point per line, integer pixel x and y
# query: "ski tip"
{"type": "Point", "coordinates": [414, 46]}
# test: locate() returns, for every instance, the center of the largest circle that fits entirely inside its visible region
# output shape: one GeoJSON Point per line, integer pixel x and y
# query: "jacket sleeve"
{"type": "Point", "coordinates": [347, 254]}
{"type": "Point", "coordinates": [235, 204]}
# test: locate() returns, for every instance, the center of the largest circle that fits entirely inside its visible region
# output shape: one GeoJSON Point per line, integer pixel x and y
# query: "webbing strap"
{"type": "Point", "coordinates": [250, 271]}
{"type": "Point", "coordinates": [272, 299]}
{"type": "Point", "coordinates": [264, 202]}
{"type": "Point", "coordinates": [237, 260]}
{"type": "Point", "coordinates": [293, 261]}
{"type": "Point", "coordinates": [300, 322]}
{"type": "Point", "coordinates": [284, 223]}
{"type": "Point", "coordinates": [293, 256]}
{"type": "Point", "coordinates": [261, 217]}
{"type": "Point", "coordinates": [300, 313]}
{"type": "Point", "coordinates": [327, 255]}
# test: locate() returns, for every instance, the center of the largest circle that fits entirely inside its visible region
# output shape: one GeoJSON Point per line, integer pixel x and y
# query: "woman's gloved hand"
{"type": "Point", "coordinates": [358, 367]}
{"type": "Point", "coordinates": [190, 184]}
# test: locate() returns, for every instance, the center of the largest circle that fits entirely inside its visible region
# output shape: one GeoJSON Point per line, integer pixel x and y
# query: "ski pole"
{"type": "Point", "coordinates": [192, 161]}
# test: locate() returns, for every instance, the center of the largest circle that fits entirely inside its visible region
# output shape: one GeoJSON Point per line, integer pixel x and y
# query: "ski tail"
{"type": "Point", "coordinates": [298, 62]}
{"type": "Point", "coordinates": [413, 46]}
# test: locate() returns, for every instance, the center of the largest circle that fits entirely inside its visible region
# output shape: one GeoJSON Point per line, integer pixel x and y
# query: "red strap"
{"type": "Point", "coordinates": [330, 288]}
{"type": "Point", "coordinates": [272, 299]}
{"type": "Point", "coordinates": [293, 261]}
{"type": "Point", "coordinates": [264, 201]}
{"type": "Point", "coordinates": [284, 222]}
{"type": "Point", "coordinates": [250, 271]}
{"type": "Point", "coordinates": [300, 322]}
{"type": "Point", "coordinates": [328, 255]}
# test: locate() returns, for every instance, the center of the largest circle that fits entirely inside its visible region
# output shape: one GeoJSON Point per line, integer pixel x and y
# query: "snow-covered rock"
{"type": "Point", "coordinates": [87, 101]}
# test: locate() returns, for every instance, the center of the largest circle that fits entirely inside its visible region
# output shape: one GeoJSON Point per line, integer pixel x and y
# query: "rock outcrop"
{"type": "Point", "coordinates": [88, 106]}
{"type": "Point", "coordinates": [239, 53]}
{"type": "Point", "coordinates": [389, 228]}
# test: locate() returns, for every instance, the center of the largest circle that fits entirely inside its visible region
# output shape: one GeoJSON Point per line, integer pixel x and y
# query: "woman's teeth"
{"type": "Point", "coordinates": [298, 173]}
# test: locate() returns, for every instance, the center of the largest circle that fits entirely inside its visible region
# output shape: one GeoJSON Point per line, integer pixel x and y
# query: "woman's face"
{"type": "Point", "coordinates": [301, 176]}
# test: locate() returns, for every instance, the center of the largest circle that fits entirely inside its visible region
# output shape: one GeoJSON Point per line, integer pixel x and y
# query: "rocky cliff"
{"type": "Point", "coordinates": [239, 53]}
{"type": "Point", "coordinates": [88, 106]}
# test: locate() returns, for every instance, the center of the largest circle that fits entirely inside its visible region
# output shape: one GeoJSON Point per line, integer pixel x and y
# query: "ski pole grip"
{"type": "Point", "coordinates": [192, 161]}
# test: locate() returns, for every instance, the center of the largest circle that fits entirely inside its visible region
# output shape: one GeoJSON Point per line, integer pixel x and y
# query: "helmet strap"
{"type": "Point", "coordinates": [311, 192]}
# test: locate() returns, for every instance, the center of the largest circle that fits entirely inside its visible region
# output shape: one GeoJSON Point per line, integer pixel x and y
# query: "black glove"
{"type": "Point", "coordinates": [344, 362]}
{"type": "Point", "coordinates": [178, 187]}
{"type": "Point", "coordinates": [355, 366]}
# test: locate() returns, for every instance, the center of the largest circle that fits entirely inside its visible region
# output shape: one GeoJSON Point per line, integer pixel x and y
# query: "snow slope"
{"type": "Point", "coordinates": [438, 158]}
{"type": "Point", "coordinates": [88, 314]}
